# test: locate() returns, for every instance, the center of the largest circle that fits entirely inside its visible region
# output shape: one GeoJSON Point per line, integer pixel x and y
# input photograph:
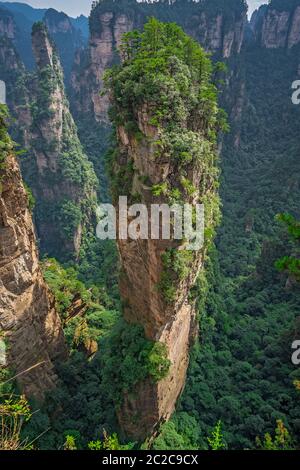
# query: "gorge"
{"type": "Point", "coordinates": [129, 376]}
{"type": "Point", "coordinates": [30, 325]}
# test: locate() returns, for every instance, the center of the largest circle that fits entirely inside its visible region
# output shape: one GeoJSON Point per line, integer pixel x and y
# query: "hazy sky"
{"type": "Point", "coordinates": [77, 7]}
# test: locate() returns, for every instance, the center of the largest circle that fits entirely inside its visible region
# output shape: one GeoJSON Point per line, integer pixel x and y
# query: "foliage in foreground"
{"type": "Point", "coordinates": [281, 441]}
{"type": "Point", "coordinates": [14, 414]}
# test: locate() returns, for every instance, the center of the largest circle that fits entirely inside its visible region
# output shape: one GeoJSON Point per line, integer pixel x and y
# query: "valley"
{"type": "Point", "coordinates": [143, 343]}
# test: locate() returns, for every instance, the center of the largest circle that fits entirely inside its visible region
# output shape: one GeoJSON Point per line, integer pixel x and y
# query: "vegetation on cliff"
{"type": "Point", "coordinates": [92, 382]}
{"type": "Point", "coordinates": [176, 11]}
{"type": "Point", "coordinates": [166, 119]}
{"type": "Point", "coordinates": [5, 140]}
{"type": "Point", "coordinates": [248, 302]}
{"type": "Point", "coordinates": [291, 263]}
{"type": "Point", "coordinates": [241, 370]}
{"type": "Point", "coordinates": [69, 204]}
{"type": "Point", "coordinates": [168, 76]}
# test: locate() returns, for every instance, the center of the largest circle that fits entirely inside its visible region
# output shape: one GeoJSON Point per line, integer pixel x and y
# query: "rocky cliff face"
{"type": "Point", "coordinates": [87, 81]}
{"type": "Point", "coordinates": [9, 60]}
{"type": "Point", "coordinates": [65, 36]}
{"type": "Point", "coordinates": [7, 24]}
{"type": "Point", "coordinates": [218, 31]}
{"type": "Point", "coordinates": [17, 29]}
{"type": "Point", "coordinates": [68, 34]}
{"type": "Point", "coordinates": [215, 34]}
{"type": "Point", "coordinates": [56, 169]}
{"type": "Point", "coordinates": [171, 322]}
{"type": "Point", "coordinates": [59, 173]}
{"type": "Point", "coordinates": [29, 323]}
{"type": "Point", "coordinates": [273, 26]}
{"type": "Point", "coordinates": [158, 272]}
{"type": "Point", "coordinates": [277, 25]}
{"type": "Point", "coordinates": [13, 72]}
{"type": "Point", "coordinates": [57, 22]}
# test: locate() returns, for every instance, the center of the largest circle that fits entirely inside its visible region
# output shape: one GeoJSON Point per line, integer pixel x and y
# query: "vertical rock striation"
{"type": "Point", "coordinates": [219, 30]}
{"type": "Point", "coordinates": [165, 153]}
{"type": "Point", "coordinates": [56, 168]}
{"type": "Point", "coordinates": [66, 37]}
{"type": "Point", "coordinates": [59, 173]}
{"type": "Point", "coordinates": [278, 24]}
{"type": "Point", "coordinates": [7, 24]}
{"type": "Point", "coordinates": [29, 322]}
{"type": "Point", "coordinates": [90, 64]}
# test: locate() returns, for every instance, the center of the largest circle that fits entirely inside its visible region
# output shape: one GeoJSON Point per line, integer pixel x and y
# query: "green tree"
{"type": "Point", "coordinates": [109, 442]}
{"type": "Point", "coordinates": [216, 439]}
{"type": "Point", "coordinates": [14, 414]}
{"type": "Point", "coordinates": [291, 263]}
{"type": "Point", "coordinates": [281, 441]}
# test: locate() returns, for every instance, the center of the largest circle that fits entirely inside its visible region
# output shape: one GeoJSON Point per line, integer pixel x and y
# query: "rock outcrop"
{"type": "Point", "coordinates": [219, 31]}
{"type": "Point", "coordinates": [59, 173]}
{"type": "Point", "coordinates": [87, 82]}
{"type": "Point", "coordinates": [13, 72]}
{"type": "Point", "coordinates": [157, 273]}
{"type": "Point", "coordinates": [277, 25]}
{"type": "Point", "coordinates": [168, 321]}
{"type": "Point", "coordinates": [7, 24]}
{"type": "Point", "coordinates": [218, 34]}
{"type": "Point", "coordinates": [55, 168]}
{"type": "Point", "coordinates": [57, 22]}
{"type": "Point", "coordinates": [29, 323]}
{"type": "Point", "coordinates": [9, 60]}
{"type": "Point", "coordinates": [17, 27]}
{"type": "Point", "coordinates": [65, 36]}
{"type": "Point", "coordinates": [68, 34]}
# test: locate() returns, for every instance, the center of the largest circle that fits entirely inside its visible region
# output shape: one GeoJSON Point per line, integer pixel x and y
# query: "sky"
{"type": "Point", "coordinates": [77, 7]}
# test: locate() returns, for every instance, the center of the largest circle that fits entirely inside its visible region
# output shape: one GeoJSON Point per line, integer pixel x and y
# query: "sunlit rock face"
{"type": "Point", "coordinates": [218, 33]}
{"type": "Point", "coordinates": [29, 323]}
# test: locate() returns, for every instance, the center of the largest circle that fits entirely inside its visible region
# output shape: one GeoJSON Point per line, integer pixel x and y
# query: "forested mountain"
{"type": "Point", "coordinates": [241, 371]}
{"type": "Point", "coordinates": [68, 33]}
{"type": "Point", "coordinates": [62, 179]}
{"type": "Point", "coordinates": [25, 298]}
{"type": "Point", "coordinates": [151, 128]}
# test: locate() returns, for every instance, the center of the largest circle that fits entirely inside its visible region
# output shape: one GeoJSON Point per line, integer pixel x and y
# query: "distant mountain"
{"type": "Point", "coordinates": [33, 14]}
{"type": "Point", "coordinates": [36, 14]}
{"type": "Point", "coordinates": [66, 36]}
{"type": "Point", "coordinates": [82, 23]}
{"type": "Point", "coordinates": [67, 33]}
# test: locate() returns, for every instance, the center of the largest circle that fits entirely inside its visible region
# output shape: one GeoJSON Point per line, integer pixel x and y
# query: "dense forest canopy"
{"type": "Point", "coordinates": [177, 11]}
